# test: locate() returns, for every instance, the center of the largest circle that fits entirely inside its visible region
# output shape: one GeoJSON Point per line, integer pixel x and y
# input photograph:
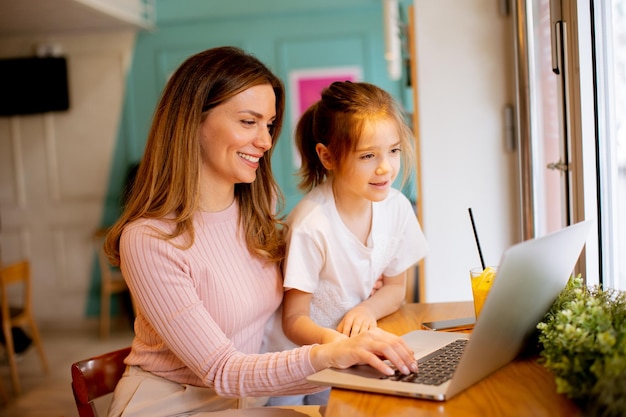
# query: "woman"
{"type": "Point", "coordinates": [200, 246]}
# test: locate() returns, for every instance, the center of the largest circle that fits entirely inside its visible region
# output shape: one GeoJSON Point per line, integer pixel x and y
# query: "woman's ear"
{"type": "Point", "coordinates": [324, 155]}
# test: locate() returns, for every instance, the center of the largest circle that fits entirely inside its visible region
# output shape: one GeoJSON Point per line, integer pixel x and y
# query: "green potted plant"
{"type": "Point", "coordinates": [582, 341]}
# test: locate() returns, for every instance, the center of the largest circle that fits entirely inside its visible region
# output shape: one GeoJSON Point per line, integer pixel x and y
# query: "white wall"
{"type": "Point", "coordinates": [465, 77]}
{"type": "Point", "coordinates": [55, 169]}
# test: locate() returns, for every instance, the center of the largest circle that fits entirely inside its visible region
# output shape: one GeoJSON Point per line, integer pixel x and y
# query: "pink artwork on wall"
{"type": "Point", "coordinates": [305, 88]}
{"type": "Point", "coordinates": [310, 90]}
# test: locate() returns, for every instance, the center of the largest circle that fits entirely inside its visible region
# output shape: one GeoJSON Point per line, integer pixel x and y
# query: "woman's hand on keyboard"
{"type": "Point", "coordinates": [371, 348]}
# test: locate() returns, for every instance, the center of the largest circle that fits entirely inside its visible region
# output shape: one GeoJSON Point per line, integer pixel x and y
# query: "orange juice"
{"type": "Point", "coordinates": [481, 284]}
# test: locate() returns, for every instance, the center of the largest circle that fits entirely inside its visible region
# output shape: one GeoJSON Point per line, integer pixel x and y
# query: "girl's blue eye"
{"type": "Point", "coordinates": [396, 150]}
{"type": "Point", "coordinates": [367, 156]}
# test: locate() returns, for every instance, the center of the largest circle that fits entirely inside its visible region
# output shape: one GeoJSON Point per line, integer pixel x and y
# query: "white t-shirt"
{"type": "Point", "coordinates": [325, 259]}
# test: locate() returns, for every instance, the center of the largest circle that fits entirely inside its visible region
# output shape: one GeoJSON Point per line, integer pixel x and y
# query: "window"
{"type": "Point", "coordinates": [549, 199]}
{"type": "Point", "coordinates": [609, 23]}
{"type": "Point", "coordinates": [575, 114]}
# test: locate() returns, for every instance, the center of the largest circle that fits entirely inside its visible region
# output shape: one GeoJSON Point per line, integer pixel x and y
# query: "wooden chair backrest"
{"type": "Point", "coordinates": [17, 273]}
{"type": "Point", "coordinates": [96, 377]}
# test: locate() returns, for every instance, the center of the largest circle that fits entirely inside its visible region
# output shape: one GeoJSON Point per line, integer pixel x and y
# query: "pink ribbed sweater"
{"type": "Point", "coordinates": [202, 311]}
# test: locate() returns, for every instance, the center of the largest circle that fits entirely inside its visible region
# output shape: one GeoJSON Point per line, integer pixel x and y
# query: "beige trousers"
{"type": "Point", "coordinates": [141, 393]}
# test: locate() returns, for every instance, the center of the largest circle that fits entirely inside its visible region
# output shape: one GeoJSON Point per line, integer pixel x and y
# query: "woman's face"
{"type": "Point", "coordinates": [235, 135]}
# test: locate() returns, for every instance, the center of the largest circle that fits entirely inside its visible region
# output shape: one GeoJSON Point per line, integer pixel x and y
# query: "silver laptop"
{"type": "Point", "coordinates": [530, 276]}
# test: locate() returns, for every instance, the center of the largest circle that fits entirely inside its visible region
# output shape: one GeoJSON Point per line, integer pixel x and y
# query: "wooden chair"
{"type": "Point", "coordinates": [3, 394]}
{"type": "Point", "coordinates": [112, 282]}
{"type": "Point", "coordinates": [96, 377]}
{"type": "Point", "coordinates": [17, 277]}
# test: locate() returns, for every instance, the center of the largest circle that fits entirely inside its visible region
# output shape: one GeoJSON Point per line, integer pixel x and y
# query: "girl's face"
{"type": "Point", "coordinates": [234, 137]}
{"type": "Point", "coordinates": [369, 171]}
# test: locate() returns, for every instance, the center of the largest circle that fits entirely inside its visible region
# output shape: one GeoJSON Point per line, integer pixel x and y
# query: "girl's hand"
{"type": "Point", "coordinates": [377, 285]}
{"type": "Point", "coordinates": [369, 348]}
{"type": "Point", "coordinates": [356, 321]}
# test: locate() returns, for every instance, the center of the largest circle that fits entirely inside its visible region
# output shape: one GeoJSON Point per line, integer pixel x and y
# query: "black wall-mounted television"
{"type": "Point", "coordinates": [33, 85]}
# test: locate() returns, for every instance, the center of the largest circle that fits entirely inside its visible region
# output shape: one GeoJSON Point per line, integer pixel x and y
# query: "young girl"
{"type": "Point", "coordinates": [352, 227]}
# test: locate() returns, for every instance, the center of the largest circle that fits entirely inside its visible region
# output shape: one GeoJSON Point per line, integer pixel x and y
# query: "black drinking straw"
{"type": "Point", "coordinates": [480, 252]}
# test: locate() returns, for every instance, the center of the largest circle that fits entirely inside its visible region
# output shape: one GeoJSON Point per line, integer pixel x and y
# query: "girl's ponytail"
{"type": "Point", "coordinates": [311, 172]}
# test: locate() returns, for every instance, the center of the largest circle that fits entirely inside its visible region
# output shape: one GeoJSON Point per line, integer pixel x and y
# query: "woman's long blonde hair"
{"type": "Point", "coordinates": [167, 184]}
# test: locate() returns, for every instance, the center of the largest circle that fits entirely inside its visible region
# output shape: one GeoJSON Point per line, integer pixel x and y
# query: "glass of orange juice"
{"type": "Point", "coordinates": [482, 279]}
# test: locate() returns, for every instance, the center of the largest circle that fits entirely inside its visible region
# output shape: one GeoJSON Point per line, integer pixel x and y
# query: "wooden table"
{"type": "Point", "coordinates": [522, 388]}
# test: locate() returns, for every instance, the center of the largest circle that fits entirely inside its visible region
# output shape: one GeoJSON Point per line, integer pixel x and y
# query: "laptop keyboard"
{"type": "Point", "coordinates": [436, 368]}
